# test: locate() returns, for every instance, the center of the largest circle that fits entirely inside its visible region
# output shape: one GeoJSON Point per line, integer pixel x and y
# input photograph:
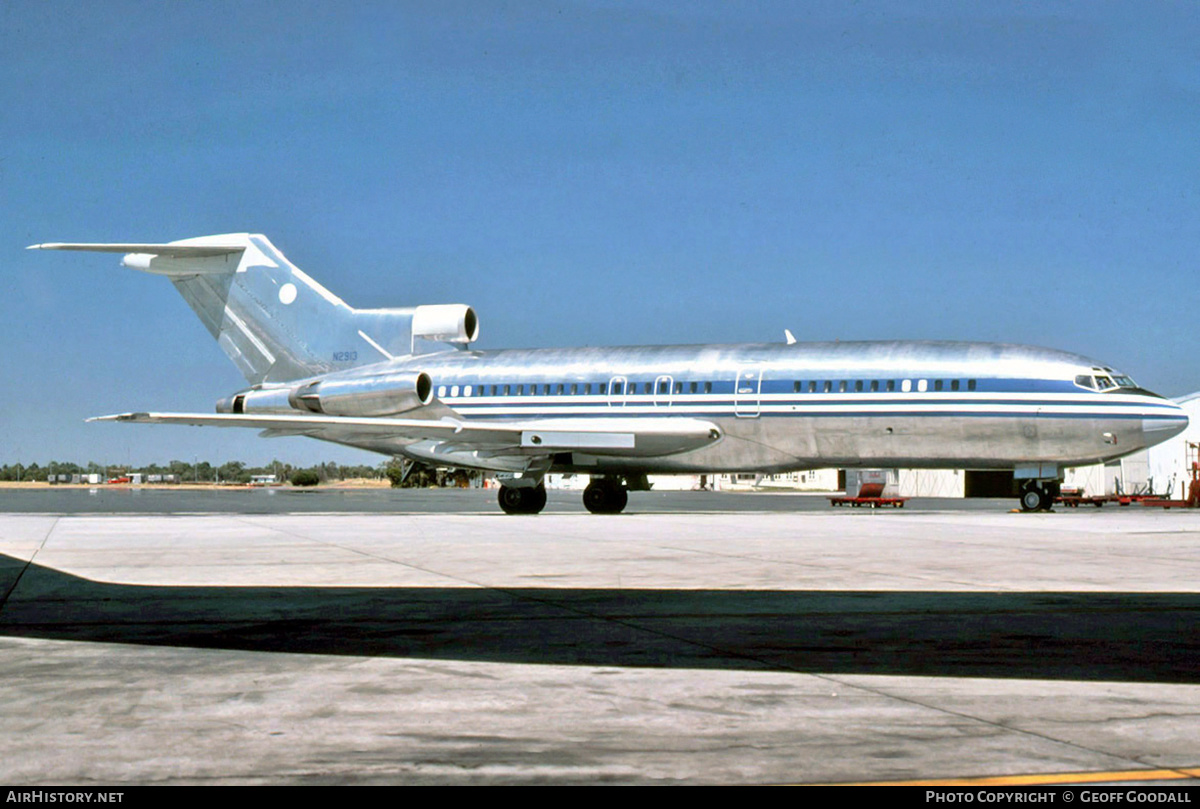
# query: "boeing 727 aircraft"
{"type": "Point", "coordinates": [405, 383]}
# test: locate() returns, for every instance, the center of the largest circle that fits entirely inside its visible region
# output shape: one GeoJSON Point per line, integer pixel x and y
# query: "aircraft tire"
{"type": "Point", "coordinates": [537, 500]}
{"type": "Point", "coordinates": [1035, 497]}
{"type": "Point", "coordinates": [605, 497]}
{"type": "Point", "coordinates": [525, 500]}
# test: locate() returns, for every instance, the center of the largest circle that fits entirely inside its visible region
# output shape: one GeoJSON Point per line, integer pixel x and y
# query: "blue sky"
{"type": "Point", "coordinates": [592, 173]}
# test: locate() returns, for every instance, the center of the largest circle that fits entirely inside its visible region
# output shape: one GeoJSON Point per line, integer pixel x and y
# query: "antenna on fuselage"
{"type": "Point", "coordinates": [789, 337]}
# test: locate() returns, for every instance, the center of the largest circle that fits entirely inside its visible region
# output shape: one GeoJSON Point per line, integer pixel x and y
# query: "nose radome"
{"type": "Point", "coordinates": [1158, 429]}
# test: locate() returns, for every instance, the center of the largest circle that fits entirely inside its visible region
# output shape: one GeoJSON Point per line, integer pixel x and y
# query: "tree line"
{"type": "Point", "coordinates": [185, 471]}
{"type": "Point", "coordinates": [238, 472]}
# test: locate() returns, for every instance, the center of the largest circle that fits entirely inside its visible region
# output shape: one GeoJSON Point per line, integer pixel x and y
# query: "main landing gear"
{"type": "Point", "coordinates": [602, 496]}
{"type": "Point", "coordinates": [605, 496]}
{"type": "Point", "coordinates": [523, 499]}
{"type": "Point", "coordinates": [1039, 495]}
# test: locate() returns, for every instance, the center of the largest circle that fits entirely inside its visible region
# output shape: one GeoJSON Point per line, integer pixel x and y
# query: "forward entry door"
{"type": "Point", "coordinates": [747, 392]}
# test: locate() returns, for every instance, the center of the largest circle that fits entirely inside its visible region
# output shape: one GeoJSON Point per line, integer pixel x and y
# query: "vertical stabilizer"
{"type": "Point", "coordinates": [275, 322]}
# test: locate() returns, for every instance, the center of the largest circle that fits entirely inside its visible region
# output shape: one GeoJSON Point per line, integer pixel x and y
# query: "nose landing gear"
{"type": "Point", "coordinates": [1039, 495]}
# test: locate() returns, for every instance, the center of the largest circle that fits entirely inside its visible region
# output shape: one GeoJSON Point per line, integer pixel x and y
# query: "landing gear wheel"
{"type": "Point", "coordinates": [1038, 496]}
{"type": "Point", "coordinates": [605, 497]}
{"type": "Point", "coordinates": [525, 500]}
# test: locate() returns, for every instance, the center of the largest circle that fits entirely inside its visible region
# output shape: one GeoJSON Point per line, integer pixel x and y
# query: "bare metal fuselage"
{"type": "Point", "coordinates": [786, 407]}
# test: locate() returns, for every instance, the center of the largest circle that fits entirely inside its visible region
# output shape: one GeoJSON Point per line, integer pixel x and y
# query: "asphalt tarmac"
{"type": "Point", "coordinates": [701, 638]}
{"type": "Point", "coordinates": [285, 499]}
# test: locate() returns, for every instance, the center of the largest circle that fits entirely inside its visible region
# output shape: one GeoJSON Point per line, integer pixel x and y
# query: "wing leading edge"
{"type": "Point", "coordinates": [624, 437]}
{"type": "Point", "coordinates": [166, 250]}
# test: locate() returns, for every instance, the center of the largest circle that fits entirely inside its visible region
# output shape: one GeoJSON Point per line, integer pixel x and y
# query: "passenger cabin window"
{"type": "Point", "coordinates": [679, 387]}
{"type": "Point", "coordinates": [617, 387]}
{"type": "Point", "coordinates": [922, 385]}
{"type": "Point", "coordinates": [953, 384]}
{"type": "Point", "coordinates": [891, 385]}
{"type": "Point", "coordinates": [708, 387]}
{"type": "Point", "coordinates": [559, 389]}
{"type": "Point", "coordinates": [906, 385]}
{"type": "Point", "coordinates": [970, 384]}
{"type": "Point", "coordinates": [858, 386]}
{"type": "Point", "coordinates": [587, 388]}
{"type": "Point", "coordinates": [795, 387]}
{"type": "Point", "coordinates": [828, 386]}
{"type": "Point", "coordinates": [663, 387]}
{"type": "Point", "coordinates": [647, 387]}
{"type": "Point", "coordinates": [937, 384]}
{"type": "Point", "coordinates": [692, 387]}
{"type": "Point", "coordinates": [812, 387]}
{"type": "Point", "coordinates": [874, 386]}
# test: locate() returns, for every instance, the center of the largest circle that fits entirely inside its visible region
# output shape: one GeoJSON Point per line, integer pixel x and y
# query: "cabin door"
{"type": "Point", "coordinates": [747, 392]}
{"type": "Point", "coordinates": [662, 391]}
{"type": "Point", "coordinates": [616, 391]}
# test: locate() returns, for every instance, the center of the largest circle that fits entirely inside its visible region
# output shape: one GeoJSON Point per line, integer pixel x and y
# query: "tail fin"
{"type": "Point", "coordinates": [275, 322]}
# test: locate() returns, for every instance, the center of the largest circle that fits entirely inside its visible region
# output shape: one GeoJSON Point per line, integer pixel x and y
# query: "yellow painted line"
{"type": "Point", "coordinates": [1044, 779]}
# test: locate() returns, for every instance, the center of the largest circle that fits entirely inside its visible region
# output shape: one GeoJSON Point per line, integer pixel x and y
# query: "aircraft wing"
{"type": "Point", "coordinates": [168, 250]}
{"type": "Point", "coordinates": [626, 437]}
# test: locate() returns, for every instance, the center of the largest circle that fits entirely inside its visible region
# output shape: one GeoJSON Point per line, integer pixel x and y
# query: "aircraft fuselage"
{"type": "Point", "coordinates": [808, 405]}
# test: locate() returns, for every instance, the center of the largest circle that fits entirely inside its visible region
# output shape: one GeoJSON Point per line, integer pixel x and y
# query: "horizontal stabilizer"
{"type": "Point", "coordinates": [166, 250]}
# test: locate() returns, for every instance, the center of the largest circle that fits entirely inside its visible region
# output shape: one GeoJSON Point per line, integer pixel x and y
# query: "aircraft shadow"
{"type": "Point", "coordinates": [1147, 637]}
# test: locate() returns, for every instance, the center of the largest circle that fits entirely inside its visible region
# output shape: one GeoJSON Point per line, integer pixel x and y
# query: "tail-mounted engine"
{"type": "Point", "coordinates": [445, 323]}
{"type": "Point", "coordinates": [365, 396]}
{"type": "Point", "coordinates": [383, 395]}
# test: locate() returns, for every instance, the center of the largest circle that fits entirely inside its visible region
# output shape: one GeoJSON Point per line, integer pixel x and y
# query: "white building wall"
{"type": "Point", "coordinates": [931, 483]}
{"type": "Point", "coordinates": [1088, 481]}
{"type": "Point", "coordinates": [677, 483]}
{"type": "Point", "coordinates": [809, 480]}
{"type": "Point", "coordinates": [1167, 462]}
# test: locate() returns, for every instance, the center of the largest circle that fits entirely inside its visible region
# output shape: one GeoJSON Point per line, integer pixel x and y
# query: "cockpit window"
{"type": "Point", "coordinates": [1104, 382]}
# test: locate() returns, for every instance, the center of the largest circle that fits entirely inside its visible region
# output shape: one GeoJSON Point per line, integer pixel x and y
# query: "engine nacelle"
{"type": "Point", "coordinates": [446, 323]}
{"type": "Point", "coordinates": [270, 400]}
{"type": "Point", "coordinates": [383, 395]}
